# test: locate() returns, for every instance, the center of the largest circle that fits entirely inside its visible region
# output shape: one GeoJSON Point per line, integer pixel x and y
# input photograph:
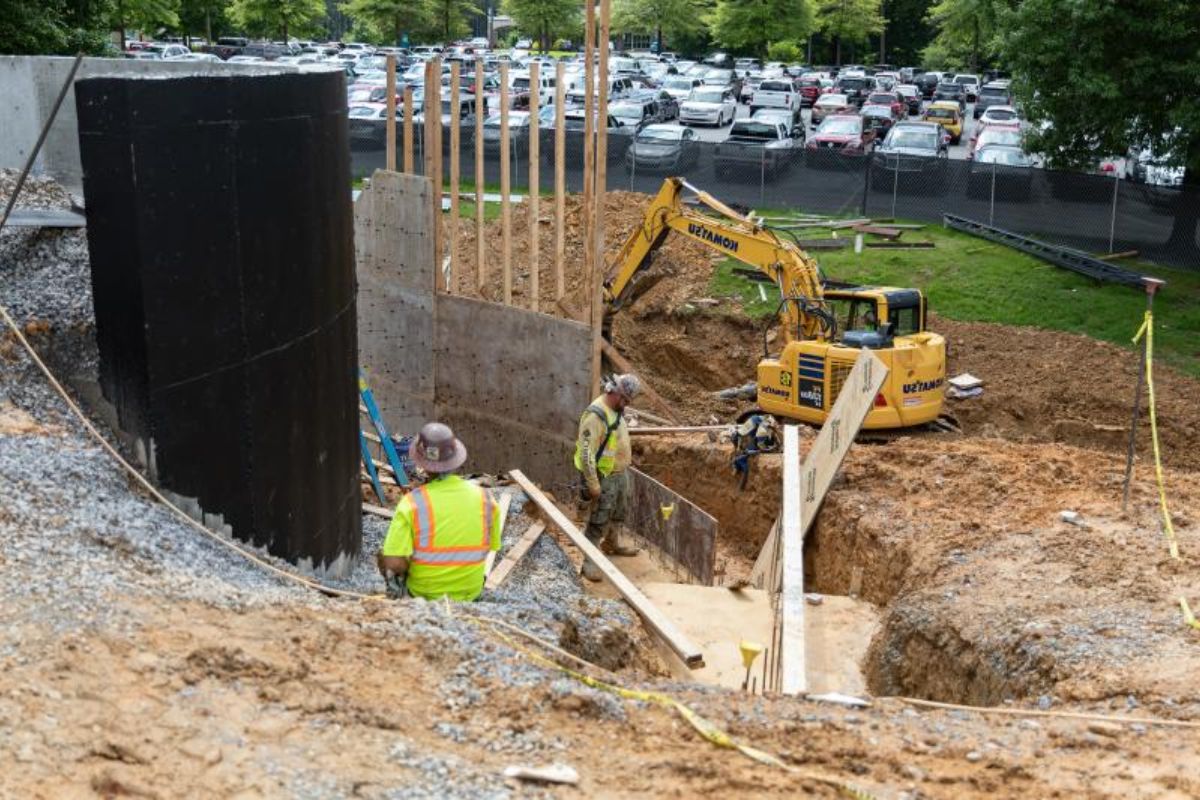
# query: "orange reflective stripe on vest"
{"type": "Point", "coordinates": [425, 547]}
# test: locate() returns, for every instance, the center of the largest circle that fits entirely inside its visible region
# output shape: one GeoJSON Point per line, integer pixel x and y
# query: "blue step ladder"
{"type": "Point", "coordinates": [385, 440]}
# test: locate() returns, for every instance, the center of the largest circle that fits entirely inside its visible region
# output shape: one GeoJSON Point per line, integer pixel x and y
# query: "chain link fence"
{"type": "Point", "coordinates": [1093, 213]}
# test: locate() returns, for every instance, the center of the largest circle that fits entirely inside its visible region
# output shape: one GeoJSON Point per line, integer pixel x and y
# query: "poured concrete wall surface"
{"type": "Point", "coordinates": [30, 84]}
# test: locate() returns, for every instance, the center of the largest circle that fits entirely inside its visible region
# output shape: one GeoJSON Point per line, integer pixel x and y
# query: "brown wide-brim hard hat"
{"type": "Point", "coordinates": [449, 457]}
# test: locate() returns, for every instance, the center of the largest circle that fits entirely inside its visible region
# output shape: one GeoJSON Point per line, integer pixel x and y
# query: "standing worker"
{"type": "Point", "coordinates": [442, 532]}
{"type": "Point", "coordinates": [603, 457]}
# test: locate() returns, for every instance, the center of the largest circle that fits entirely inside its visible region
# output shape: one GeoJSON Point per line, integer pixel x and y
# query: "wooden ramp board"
{"type": "Point", "coordinates": [717, 619]}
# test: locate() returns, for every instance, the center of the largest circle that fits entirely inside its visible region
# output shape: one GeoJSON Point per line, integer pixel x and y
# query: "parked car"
{"type": "Point", "coordinates": [992, 94]}
{"type": "Point", "coordinates": [663, 148]}
{"type": "Point", "coordinates": [775, 93]}
{"type": "Point", "coordinates": [668, 106]}
{"type": "Point", "coordinates": [368, 124]}
{"type": "Point", "coordinates": [829, 104]}
{"type": "Point", "coordinates": [910, 149]}
{"type": "Point", "coordinates": [638, 113]}
{"type": "Point", "coordinates": [879, 118]}
{"type": "Point", "coordinates": [1008, 169]}
{"type": "Point", "coordinates": [992, 135]}
{"type": "Point", "coordinates": [911, 97]}
{"type": "Point", "coordinates": [927, 83]}
{"type": "Point", "coordinates": [756, 147]}
{"type": "Point", "coordinates": [708, 105]}
{"type": "Point", "coordinates": [970, 84]}
{"type": "Point", "coordinates": [727, 78]}
{"type": "Point", "coordinates": [750, 82]}
{"type": "Point", "coordinates": [520, 84]}
{"type": "Point", "coordinates": [680, 86]}
{"type": "Point", "coordinates": [1000, 115]}
{"type": "Point", "coordinates": [518, 133]}
{"type": "Point", "coordinates": [948, 115]}
{"type": "Point", "coordinates": [891, 99]}
{"type": "Point", "coordinates": [842, 136]}
{"type": "Point", "coordinates": [950, 92]}
{"type": "Point", "coordinates": [792, 120]}
{"type": "Point", "coordinates": [856, 88]}
{"type": "Point", "coordinates": [809, 90]}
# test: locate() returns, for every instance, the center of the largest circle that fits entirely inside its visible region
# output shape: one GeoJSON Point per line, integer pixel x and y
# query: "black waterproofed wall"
{"type": "Point", "coordinates": [221, 239]}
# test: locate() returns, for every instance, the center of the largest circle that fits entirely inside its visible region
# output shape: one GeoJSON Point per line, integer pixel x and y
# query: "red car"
{"type": "Point", "coordinates": [810, 90]}
{"type": "Point", "coordinates": [892, 99]}
{"type": "Point", "coordinates": [841, 135]}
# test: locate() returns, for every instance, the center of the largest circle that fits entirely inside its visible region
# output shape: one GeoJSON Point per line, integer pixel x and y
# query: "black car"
{"type": "Point", "coordinates": [927, 83]}
{"type": "Point", "coordinates": [855, 87]}
{"type": "Point", "coordinates": [663, 148]}
{"type": "Point", "coordinates": [951, 92]}
{"type": "Point", "coordinates": [910, 150]}
{"type": "Point", "coordinates": [992, 94]}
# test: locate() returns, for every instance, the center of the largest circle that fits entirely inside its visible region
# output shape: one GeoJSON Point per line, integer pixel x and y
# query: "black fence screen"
{"type": "Point", "coordinates": [1094, 213]}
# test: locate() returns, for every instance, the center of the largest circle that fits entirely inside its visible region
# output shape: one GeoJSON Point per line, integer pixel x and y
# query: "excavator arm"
{"type": "Point", "coordinates": [797, 276]}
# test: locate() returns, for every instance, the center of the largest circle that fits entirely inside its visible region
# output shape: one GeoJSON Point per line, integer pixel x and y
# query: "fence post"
{"type": "Point", "coordinates": [895, 184]}
{"type": "Point", "coordinates": [1112, 220]}
{"type": "Point", "coordinates": [866, 183]}
{"type": "Point", "coordinates": [762, 177]}
{"type": "Point", "coordinates": [992, 202]}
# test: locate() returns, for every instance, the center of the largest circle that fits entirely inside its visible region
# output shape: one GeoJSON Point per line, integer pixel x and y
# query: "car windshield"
{"type": "Point", "coordinates": [678, 83]}
{"type": "Point", "coordinates": [660, 135]}
{"type": "Point", "coordinates": [1001, 115]}
{"type": "Point", "coordinates": [753, 130]}
{"type": "Point", "coordinates": [941, 113]}
{"type": "Point", "coordinates": [885, 99]}
{"type": "Point", "coordinates": [953, 88]}
{"type": "Point", "coordinates": [964, 79]}
{"type": "Point", "coordinates": [923, 140]}
{"type": "Point", "coordinates": [1000, 136]}
{"type": "Point", "coordinates": [775, 86]}
{"type": "Point", "coordinates": [841, 126]}
{"type": "Point", "coordinates": [1005, 156]}
{"type": "Point", "coordinates": [720, 75]}
{"type": "Point", "coordinates": [362, 112]}
{"type": "Point", "coordinates": [832, 100]}
{"type": "Point", "coordinates": [520, 83]}
{"type": "Point", "coordinates": [853, 83]}
{"type": "Point", "coordinates": [993, 91]}
{"type": "Point", "coordinates": [628, 112]}
{"type": "Point", "coordinates": [515, 120]}
{"type": "Point", "coordinates": [705, 95]}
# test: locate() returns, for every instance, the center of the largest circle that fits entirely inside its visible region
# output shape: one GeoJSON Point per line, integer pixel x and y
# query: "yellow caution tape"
{"type": "Point", "coordinates": [1147, 330]}
{"type": "Point", "coordinates": [701, 725]}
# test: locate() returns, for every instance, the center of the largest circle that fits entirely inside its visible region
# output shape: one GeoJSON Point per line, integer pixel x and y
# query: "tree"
{"type": "Point", "coordinates": [281, 18]}
{"type": "Point", "coordinates": [968, 33]}
{"type": "Point", "coordinates": [546, 19]}
{"type": "Point", "coordinates": [787, 51]}
{"type": "Point", "coordinates": [386, 18]}
{"type": "Point", "coordinates": [848, 21]}
{"type": "Point", "coordinates": [144, 16]}
{"type": "Point", "coordinates": [30, 27]}
{"type": "Point", "coordinates": [205, 15]}
{"type": "Point", "coordinates": [752, 25]}
{"type": "Point", "coordinates": [1131, 84]}
{"type": "Point", "coordinates": [449, 18]}
{"type": "Point", "coordinates": [676, 20]}
{"type": "Point", "coordinates": [908, 31]}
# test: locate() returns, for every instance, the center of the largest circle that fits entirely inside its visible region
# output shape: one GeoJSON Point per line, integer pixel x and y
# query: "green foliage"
{"type": "Point", "coordinates": [278, 18]}
{"type": "Point", "coordinates": [908, 31]}
{"type": "Point", "coordinates": [677, 20]}
{"type": "Point", "coordinates": [1129, 79]}
{"type": "Point", "coordinates": [545, 20]}
{"type": "Point", "coordinates": [969, 279]}
{"type": "Point", "coordinates": [448, 18]}
{"type": "Point", "coordinates": [385, 20]}
{"type": "Point", "coordinates": [32, 26]}
{"type": "Point", "coordinates": [787, 51]}
{"type": "Point", "coordinates": [204, 17]}
{"type": "Point", "coordinates": [752, 26]}
{"type": "Point", "coordinates": [969, 34]}
{"type": "Point", "coordinates": [848, 22]}
{"type": "Point", "coordinates": [151, 17]}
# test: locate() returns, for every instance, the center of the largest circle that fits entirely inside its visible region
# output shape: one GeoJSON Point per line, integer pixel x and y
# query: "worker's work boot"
{"type": "Point", "coordinates": [591, 571]}
{"type": "Point", "coordinates": [616, 544]}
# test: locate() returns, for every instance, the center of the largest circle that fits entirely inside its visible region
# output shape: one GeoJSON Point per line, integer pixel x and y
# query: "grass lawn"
{"type": "Point", "coordinates": [971, 279]}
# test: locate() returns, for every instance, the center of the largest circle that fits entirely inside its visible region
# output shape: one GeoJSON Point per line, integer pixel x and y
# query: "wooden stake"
{"type": "Point", "coordinates": [455, 177]}
{"type": "Point", "coordinates": [601, 157]}
{"type": "Point", "coordinates": [433, 118]}
{"type": "Point", "coordinates": [560, 182]}
{"type": "Point", "coordinates": [390, 136]}
{"type": "Point", "coordinates": [505, 202]}
{"type": "Point", "coordinates": [480, 267]}
{"type": "Point", "coordinates": [534, 198]}
{"type": "Point", "coordinates": [408, 129]}
{"type": "Point", "coordinates": [589, 164]}
{"type": "Point", "coordinates": [791, 601]}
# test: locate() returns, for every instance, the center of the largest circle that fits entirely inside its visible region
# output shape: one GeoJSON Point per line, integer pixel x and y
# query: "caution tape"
{"type": "Point", "coordinates": [1147, 330]}
{"type": "Point", "coordinates": [707, 729]}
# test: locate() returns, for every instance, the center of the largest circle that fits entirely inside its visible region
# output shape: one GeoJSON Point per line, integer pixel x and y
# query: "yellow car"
{"type": "Point", "coordinates": [947, 115]}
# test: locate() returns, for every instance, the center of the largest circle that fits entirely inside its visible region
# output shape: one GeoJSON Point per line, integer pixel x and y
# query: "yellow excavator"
{"type": "Point", "coordinates": [824, 325]}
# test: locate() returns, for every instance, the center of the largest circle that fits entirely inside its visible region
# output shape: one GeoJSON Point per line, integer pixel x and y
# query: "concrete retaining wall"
{"type": "Point", "coordinates": [29, 85]}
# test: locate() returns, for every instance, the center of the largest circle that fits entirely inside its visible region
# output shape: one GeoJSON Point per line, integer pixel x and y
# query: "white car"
{"type": "Point", "coordinates": [680, 87]}
{"type": "Point", "coordinates": [246, 60]}
{"type": "Point", "coordinates": [194, 57]}
{"type": "Point", "coordinates": [999, 115]}
{"type": "Point", "coordinates": [970, 85]}
{"type": "Point", "coordinates": [708, 105]}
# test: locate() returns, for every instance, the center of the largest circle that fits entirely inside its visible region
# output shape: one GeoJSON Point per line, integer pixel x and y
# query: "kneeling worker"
{"type": "Point", "coordinates": [602, 457]}
{"type": "Point", "coordinates": [441, 533]}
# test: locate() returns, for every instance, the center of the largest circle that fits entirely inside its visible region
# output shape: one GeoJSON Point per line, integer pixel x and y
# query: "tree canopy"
{"type": "Point", "coordinates": [670, 21]}
{"type": "Point", "coordinates": [278, 18]}
{"type": "Point", "coordinates": [754, 26]}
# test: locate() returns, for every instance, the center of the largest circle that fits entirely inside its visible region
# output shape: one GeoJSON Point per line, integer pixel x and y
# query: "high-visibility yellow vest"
{"type": "Point", "coordinates": [606, 458]}
{"type": "Point", "coordinates": [451, 534]}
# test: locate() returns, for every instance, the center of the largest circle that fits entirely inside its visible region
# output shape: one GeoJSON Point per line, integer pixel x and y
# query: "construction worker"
{"type": "Point", "coordinates": [442, 532]}
{"type": "Point", "coordinates": [602, 457]}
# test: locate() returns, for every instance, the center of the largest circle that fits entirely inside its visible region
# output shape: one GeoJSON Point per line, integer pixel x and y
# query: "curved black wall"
{"type": "Point", "coordinates": [221, 240]}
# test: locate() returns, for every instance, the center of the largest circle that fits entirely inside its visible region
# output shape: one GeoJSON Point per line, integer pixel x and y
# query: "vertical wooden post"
{"type": "Point", "coordinates": [505, 201]}
{"type": "Point", "coordinates": [455, 177]}
{"type": "Point", "coordinates": [601, 156]}
{"type": "Point", "coordinates": [533, 197]}
{"type": "Point", "coordinates": [589, 130]}
{"type": "Point", "coordinates": [433, 113]}
{"type": "Point", "coordinates": [480, 268]}
{"type": "Point", "coordinates": [408, 129]}
{"type": "Point", "coordinates": [560, 182]}
{"type": "Point", "coordinates": [390, 135]}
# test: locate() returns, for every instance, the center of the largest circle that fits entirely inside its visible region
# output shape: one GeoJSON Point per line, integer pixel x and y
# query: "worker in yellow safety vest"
{"type": "Point", "coordinates": [602, 458]}
{"type": "Point", "coordinates": [442, 532]}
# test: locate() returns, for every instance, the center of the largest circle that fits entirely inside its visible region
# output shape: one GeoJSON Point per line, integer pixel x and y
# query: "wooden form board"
{"type": "Point", "coordinates": [655, 620]}
{"type": "Point", "coordinates": [455, 176]}
{"type": "Point", "coordinates": [480, 262]}
{"type": "Point", "coordinates": [500, 574]}
{"type": "Point", "coordinates": [390, 136]}
{"type": "Point", "coordinates": [560, 182]}
{"type": "Point", "coordinates": [505, 187]}
{"type": "Point", "coordinates": [679, 529]}
{"type": "Point", "coordinates": [534, 189]}
{"type": "Point", "coordinates": [433, 161]}
{"type": "Point", "coordinates": [408, 129]}
{"type": "Point", "coordinates": [804, 487]}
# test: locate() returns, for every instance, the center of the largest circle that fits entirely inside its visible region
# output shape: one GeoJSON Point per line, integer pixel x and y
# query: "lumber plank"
{"type": "Point", "coordinates": [534, 188]}
{"type": "Point", "coordinates": [902, 245]}
{"type": "Point", "coordinates": [657, 622]}
{"type": "Point", "coordinates": [766, 557]}
{"type": "Point", "coordinates": [408, 129]}
{"type": "Point", "coordinates": [505, 187]}
{"type": "Point", "coordinates": [560, 182]}
{"type": "Point", "coordinates": [1122, 254]}
{"type": "Point", "coordinates": [433, 118]}
{"type": "Point", "coordinates": [455, 167]}
{"type": "Point", "coordinates": [500, 574]}
{"type": "Point", "coordinates": [791, 601]}
{"type": "Point", "coordinates": [480, 261]}
{"type": "Point", "coordinates": [678, 429]}
{"type": "Point", "coordinates": [390, 134]}
{"type": "Point", "coordinates": [879, 230]}
{"type": "Point", "coordinates": [621, 363]}
{"type": "Point", "coordinates": [378, 511]}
